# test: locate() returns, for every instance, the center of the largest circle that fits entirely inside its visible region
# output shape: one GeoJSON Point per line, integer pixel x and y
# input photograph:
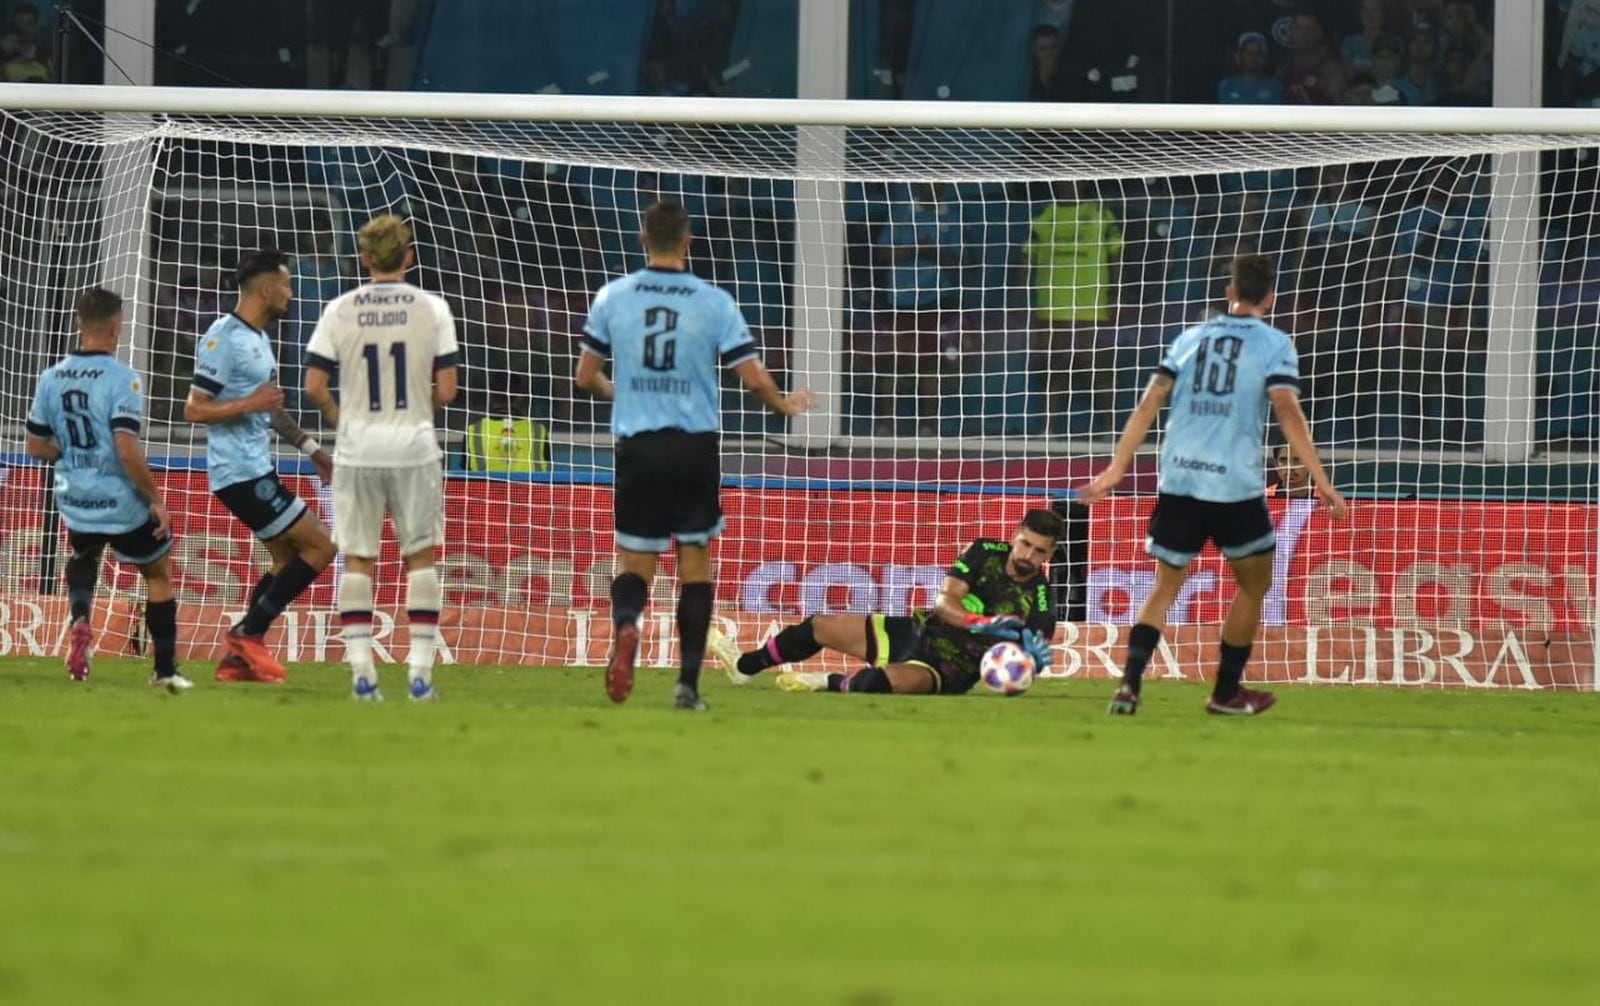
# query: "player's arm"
{"type": "Point", "coordinates": [1144, 416]}
{"type": "Point", "coordinates": [41, 441]}
{"type": "Point", "coordinates": [591, 376]}
{"type": "Point", "coordinates": [43, 448]}
{"type": "Point", "coordinates": [758, 379]}
{"type": "Point", "coordinates": [290, 432]}
{"type": "Point", "coordinates": [134, 464]}
{"type": "Point", "coordinates": [446, 358]}
{"type": "Point", "coordinates": [212, 366]}
{"type": "Point", "coordinates": [319, 392]}
{"type": "Point", "coordinates": [1292, 421]}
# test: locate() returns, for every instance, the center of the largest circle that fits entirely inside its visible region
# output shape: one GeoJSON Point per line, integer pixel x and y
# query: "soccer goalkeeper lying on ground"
{"type": "Point", "coordinates": [995, 591]}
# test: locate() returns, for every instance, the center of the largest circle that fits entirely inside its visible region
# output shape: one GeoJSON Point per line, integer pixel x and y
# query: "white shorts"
{"type": "Point", "coordinates": [413, 497]}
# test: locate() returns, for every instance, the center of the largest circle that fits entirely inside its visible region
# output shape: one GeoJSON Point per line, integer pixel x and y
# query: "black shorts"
{"type": "Point", "coordinates": [139, 546]}
{"type": "Point", "coordinates": [1181, 525]}
{"type": "Point", "coordinates": [668, 485]}
{"type": "Point", "coordinates": [264, 505]}
{"type": "Point", "coordinates": [899, 639]}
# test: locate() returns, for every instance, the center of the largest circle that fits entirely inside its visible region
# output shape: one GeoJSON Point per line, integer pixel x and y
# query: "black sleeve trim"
{"type": "Point", "coordinates": [208, 385]}
{"type": "Point", "coordinates": [127, 424]}
{"type": "Point", "coordinates": [595, 346]}
{"type": "Point", "coordinates": [446, 360]}
{"type": "Point", "coordinates": [1164, 369]}
{"type": "Point", "coordinates": [739, 354]}
{"type": "Point", "coordinates": [322, 363]}
{"type": "Point", "coordinates": [1283, 381]}
{"type": "Point", "coordinates": [40, 429]}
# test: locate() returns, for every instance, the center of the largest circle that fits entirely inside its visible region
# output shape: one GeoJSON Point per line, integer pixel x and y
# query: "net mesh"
{"type": "Point", "coordinates": [997, 301]}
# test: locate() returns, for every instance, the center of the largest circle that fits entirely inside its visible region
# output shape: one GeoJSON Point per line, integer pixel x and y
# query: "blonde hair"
{"type": "Point", "coordinates": [385, 241]}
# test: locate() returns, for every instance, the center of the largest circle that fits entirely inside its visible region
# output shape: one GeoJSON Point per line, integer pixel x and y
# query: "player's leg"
{"type": "Point", "coordinates": [892, 647]}
{"type": "Point", "coordinates": [358, 518]}
{"type": "Point", "coordinates": [1177, 533]}
{"type": "Point", "coordinates": [695, 598]}
{"type": "Point", "coordinates": [642, 513]}
{"type": "Point", "coordinates": [83, 572]}
{"type": "Point", "coordinates": [415, 501]}
{"type": "Point", "coordinates": [693, 483]}
{"type": "Point", "coordinates": [299, 553]}
{"type": "Point", "coordinates": [809, 637]}
{"type": "Point", "coordinates": [1246, 537]}
{"type": "Point", "coordinates": [161, 623]}
{"type": "Point", "coordinates": [140, 547]}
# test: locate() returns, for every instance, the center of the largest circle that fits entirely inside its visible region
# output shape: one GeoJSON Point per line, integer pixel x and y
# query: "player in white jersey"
{"type": "Point", "coordinates": [1221, 377]}
{"type": "Point", "coordinates": [393, 347]}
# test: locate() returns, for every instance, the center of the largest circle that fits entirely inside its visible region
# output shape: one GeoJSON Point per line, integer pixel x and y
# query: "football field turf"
{"type": "Point", "coordinates": [525, 841]}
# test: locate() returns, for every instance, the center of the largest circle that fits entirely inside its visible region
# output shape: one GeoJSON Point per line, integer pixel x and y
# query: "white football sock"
{"type": "Point", "coordinates": [423, 600]}
{"type": "Point", "coordinates": [355, 618]}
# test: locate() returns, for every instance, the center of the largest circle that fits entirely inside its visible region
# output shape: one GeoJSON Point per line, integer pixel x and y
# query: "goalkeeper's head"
{"type": "Point", "coordinates": [666, 234]}
{"type": "Point", "coordinates": [1034, 543]}
{"type": "Point", "coordinates": [386, 246]}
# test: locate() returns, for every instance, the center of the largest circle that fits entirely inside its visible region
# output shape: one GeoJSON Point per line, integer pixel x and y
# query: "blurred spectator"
{"type": "Point", "coordinates": [920, 250]}
{"type": "Point", "coordinates": [23, 62]}
{"type": "Point", "coordinates": [1056, 14]}
{"type": "Point", "coordinates": [505, 439]}
{"type": "Point", "coordinates": [1112, 51]}
{"type": "Point", "coordinates": [25, 19]}
{"type": "Point", "coordinates": [1254, 84]}
{"type": "Point", "coordinates": [1311, 74]}
{"type": "Point", "coordinates": [1047, 78]}
{"type": "Point", "coordinates": [1440, 247]}
{"type": "Point", "coordinates": [1294, 478]}
{"type": "Point", "coordinates": [746, 250]}
{"type": "Point", "coordinates": [1271, 19]}
{"type": "Point", "coordinates": [1356, 50]}
{"type": "Point", "coordinates": [1358, 89]}
{"type": "Point", "coordinates": [688, 47]}
{"type": "Point", "coordinates": [1466, 79]}
{"type": "Point", "coordinates": [1336, 257]}
{"type": "Point", "coordinates": [1579, 55]}
{"type": "Point", "coordinates": [1423, 70]}
{"type": "Point", "coordinates": [1461, 30]}
{"type": "Point", "coordinates": [1390, 84]}
{"type": "Point", "coordinates": [1074, 244]}
{"type": "Point", "coordinates": [547, 237]}
{"type": "Point", "coordinates": [363, 44]}
{"type": "Point", "coordinates": [318, 277]}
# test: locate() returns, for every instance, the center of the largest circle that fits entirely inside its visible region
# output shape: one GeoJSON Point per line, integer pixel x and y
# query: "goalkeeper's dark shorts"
{"type": "Point", "coordinates": [898, 639]}
{"type": "Point", "coordinates": [668, 485]}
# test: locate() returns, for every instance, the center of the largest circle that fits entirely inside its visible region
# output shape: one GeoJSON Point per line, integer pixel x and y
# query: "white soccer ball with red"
{"type": "Point", "coordinates": [1007, 669]}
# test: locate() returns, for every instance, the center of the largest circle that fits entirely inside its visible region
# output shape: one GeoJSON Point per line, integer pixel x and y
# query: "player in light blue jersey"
{"type": "Point", "coordinates": [85, 417]}
{"type": "Point", "coordinates": [1221, 377]}
{"type": "Point", "coordinates": [236, 396]}
{"type": "Point", "coordinates": [667, 334]}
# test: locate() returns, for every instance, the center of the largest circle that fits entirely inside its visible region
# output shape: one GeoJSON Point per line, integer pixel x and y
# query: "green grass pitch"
{"type": "Point", "coordinates": [525, 841]}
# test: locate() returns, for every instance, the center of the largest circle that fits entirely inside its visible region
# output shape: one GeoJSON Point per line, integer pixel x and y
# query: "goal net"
{"type": "Point", "coordinates": [979, 306]}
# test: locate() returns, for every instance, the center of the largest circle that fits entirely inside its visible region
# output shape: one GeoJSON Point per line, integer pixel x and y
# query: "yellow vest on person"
{"type": "Point", "coordinates": [508, 444]}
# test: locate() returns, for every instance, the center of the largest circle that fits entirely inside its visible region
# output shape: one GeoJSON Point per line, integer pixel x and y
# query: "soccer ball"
{"type": "Point", "coordinates": [1007, 669]}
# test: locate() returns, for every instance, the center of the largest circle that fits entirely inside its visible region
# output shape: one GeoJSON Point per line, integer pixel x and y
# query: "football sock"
{"type": "Point", "coordinates": [868, 679]}
{"type": "Point", "coordinates": [291, 580]}
{"type": "Point", "coordinates": [260, 589]}
{"type": "Point", "coordinates": [795, 643]}
{"type": "Point", "coordinates": [423, 601]}
{"type": "Point", "coordinates": [1142, 642]}
{"type": "Point", "coordinates": [836, 682]}
{"type": "Point", "coordinates": [1230, 670]}
{"type": "Point", "coordinates": [161, 621]}
{"type": "Point", "coordinates": [82, 571]}
{"type": "Point", "coordinates": [355, 617]}
{"type": "Point", "coordinates": [694, 618]}
{"type": "Point", "coordinates": [629, 593]}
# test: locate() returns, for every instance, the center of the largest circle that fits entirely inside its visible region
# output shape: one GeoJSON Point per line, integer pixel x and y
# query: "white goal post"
{"type": "Point", "coordinates": [977, 290]}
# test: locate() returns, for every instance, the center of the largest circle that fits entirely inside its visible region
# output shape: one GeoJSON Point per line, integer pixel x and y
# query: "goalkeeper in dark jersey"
{"type": "Point", "coordinates": [995, 591]}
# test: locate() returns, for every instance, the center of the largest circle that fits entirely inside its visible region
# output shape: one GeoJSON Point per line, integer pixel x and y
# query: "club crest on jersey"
{"type": "Point", "coordinates": [133, 385]}
{"type": "Point", "coordinates": [211, 344]}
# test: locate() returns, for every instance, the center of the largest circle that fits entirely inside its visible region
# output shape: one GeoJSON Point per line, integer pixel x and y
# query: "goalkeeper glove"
{"type": "Point", "coordinates": [998, 626]}
{"type": "Point", "coordinates": [1038, 648]}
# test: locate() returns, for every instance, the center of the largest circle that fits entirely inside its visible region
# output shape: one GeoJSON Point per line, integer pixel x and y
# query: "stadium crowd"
{"type": "Point", "coordinates": [996, 309]}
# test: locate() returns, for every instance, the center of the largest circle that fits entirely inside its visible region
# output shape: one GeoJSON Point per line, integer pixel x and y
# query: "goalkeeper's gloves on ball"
{"type": "Point", "coordinates": [1038, 648]}
{"type": "Point", "coordinates": [998, 626]}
